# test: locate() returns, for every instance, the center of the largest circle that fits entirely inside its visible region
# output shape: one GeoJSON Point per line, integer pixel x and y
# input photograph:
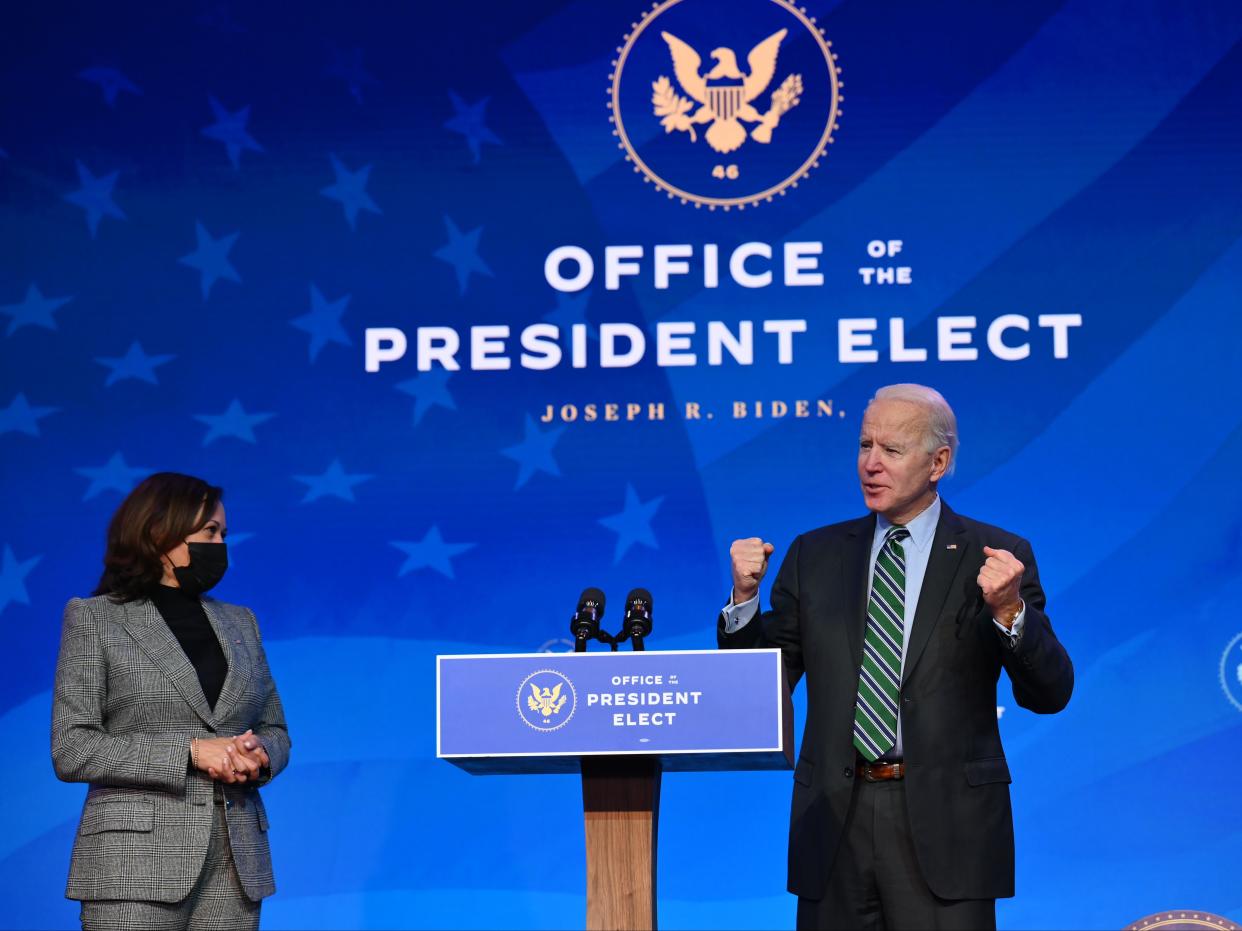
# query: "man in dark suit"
{"type": "Point", "coordinates": [902, 621]}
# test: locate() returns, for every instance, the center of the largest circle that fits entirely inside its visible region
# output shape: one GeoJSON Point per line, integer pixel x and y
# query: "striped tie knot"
{"type": "Point", "coordinates": [897, 533]}
{"type": "Point", "coordinates": [879, 678]}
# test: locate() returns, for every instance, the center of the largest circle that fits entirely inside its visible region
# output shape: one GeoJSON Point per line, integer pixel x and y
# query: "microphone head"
{"type": "Point", "coordinates": [593, 596]}
{"type": "Point", "coordinates": [639, 594]}
{"type": "Point", "coordinates": [584, 625]}
{"type": "Point", "coordinates": [638, 612]}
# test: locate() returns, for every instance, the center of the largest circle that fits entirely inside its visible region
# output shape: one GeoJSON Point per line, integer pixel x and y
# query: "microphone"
{"type": "Point", "coordinates": [637, 616]}
{"type": "Point", "coordinates": [584, 625]}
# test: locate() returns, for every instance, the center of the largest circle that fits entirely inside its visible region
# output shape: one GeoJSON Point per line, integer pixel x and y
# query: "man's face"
{"type": "Point", "coordinates": [896, 471]}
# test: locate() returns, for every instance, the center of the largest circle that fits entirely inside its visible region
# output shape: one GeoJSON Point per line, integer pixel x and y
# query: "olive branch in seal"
{"type": "Point", "coordinates": [671, 107]}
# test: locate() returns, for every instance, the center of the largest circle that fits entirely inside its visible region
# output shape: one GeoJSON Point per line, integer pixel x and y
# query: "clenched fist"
{"type": "Point", "coordinates": [1000, 577]}
{"type": "Point", "coordinates": [750, 562]}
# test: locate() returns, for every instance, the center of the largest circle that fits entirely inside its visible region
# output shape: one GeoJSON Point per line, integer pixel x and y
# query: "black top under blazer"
{"type": "Point", "coordinates": [957, 778]}
{"type": "Point", "coordinates": [126, 703]}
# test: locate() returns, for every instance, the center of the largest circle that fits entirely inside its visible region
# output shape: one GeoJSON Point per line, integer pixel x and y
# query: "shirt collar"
{"type": "Point", "coordinates": [922, 528]}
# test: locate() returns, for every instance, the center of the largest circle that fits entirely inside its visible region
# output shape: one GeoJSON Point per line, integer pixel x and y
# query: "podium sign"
{"type": "Point", "coordinates": [543, 712]}
{"type": "Point", "coordinates": [620, 719]}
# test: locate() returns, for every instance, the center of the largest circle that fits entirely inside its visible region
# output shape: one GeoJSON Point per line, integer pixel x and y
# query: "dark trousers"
{"type": "Point", "coordinates": [876, 883]}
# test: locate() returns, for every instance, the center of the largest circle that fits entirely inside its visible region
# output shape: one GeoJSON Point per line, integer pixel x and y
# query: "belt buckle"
{"type": "Point", "coordinates": [871, 772]}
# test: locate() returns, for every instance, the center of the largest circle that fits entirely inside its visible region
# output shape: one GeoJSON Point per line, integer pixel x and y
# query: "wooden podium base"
{"type": "Point", "coordinates": [621, 807]}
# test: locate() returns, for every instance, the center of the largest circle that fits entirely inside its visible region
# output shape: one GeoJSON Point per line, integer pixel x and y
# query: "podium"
{"type": "Point", "coordinates": [621, 720]}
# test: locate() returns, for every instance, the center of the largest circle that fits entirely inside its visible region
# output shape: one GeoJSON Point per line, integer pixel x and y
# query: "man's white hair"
{"type": "Point", "coordinates": [941, 424]}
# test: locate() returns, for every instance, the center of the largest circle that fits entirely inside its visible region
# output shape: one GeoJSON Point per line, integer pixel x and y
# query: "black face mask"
{"type": "Point", "coordinates": [208, 563]}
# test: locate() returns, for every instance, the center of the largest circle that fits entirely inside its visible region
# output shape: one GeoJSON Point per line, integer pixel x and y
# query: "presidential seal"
{"type": "Point", "coordinates": [1182, 920]}
{"type": "Point", "coordinates": [546, 700]}
{"type": "Point", "coordinates": [1231, 672]}
{"type": "Point", "coordinates": [725, 110]}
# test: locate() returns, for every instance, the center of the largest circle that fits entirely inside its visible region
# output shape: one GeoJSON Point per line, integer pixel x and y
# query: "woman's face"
{"type": "Point", "coordinates": [214, 531]}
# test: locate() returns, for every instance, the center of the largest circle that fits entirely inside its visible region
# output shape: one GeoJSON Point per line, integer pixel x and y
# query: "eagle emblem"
{"type": "Point", "coordinates": [725, 95]}
{"type": "Point", "coordinates": [545, 701]}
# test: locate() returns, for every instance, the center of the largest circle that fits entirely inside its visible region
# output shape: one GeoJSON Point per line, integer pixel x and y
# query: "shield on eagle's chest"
{"type": "Point", "coordinates": [724, 99]}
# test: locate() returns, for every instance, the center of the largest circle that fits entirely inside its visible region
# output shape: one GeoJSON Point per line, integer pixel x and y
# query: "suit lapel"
{"type": "Point", "coordinates": [949, 545]}
{"type": "Point", "coordinates": [145, 625]}
{"type": "Point", "coordinates": [238, 677]}
{"type": "Point", "coordinates": [856, 580]}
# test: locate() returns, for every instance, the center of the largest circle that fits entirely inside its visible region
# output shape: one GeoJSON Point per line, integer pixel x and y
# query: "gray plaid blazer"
{"type": "Point", "coordinates": [125, 705]}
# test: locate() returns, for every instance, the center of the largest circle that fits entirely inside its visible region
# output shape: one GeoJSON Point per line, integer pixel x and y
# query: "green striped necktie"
{"type": "Point", "coordinates": [879, 680]}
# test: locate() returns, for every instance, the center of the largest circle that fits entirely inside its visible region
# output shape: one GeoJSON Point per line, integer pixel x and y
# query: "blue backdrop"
{"type": "Point", "coordinates": [205, 209]}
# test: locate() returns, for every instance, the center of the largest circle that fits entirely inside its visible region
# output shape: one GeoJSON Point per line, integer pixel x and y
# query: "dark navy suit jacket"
{"type": "Point", "coordinates": [957, 778]}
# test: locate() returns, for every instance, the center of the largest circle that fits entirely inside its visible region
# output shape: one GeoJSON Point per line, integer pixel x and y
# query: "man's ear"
{"type": "Point", "coordinates": [940, 463]}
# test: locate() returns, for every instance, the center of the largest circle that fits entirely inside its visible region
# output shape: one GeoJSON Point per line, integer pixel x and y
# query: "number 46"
{"type": "Point", "coordinates": [725, 171]}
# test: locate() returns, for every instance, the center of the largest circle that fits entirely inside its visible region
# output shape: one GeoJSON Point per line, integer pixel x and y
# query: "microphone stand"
{"type": "Point", "coordinates": [583, 635]}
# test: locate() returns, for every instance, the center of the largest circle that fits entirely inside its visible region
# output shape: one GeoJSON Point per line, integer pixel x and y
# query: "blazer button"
{"type": "Point", "coordinates": [848, 772]}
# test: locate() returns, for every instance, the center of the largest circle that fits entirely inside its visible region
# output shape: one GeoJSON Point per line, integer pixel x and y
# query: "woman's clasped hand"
{"type": "Point", "coordinates": [230, 759]}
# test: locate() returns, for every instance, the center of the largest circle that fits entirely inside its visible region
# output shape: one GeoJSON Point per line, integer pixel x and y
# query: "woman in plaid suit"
{"type": "Point", "coordinates": [165, 706]}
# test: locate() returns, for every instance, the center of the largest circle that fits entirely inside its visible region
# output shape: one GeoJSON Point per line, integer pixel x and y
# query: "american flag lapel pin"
{"type": "Point", "coordinates": [950, 546]}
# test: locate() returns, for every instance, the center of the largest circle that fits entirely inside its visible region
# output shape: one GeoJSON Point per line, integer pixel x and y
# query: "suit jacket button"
{"type": "Point", "coordinates": [848, 773]}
